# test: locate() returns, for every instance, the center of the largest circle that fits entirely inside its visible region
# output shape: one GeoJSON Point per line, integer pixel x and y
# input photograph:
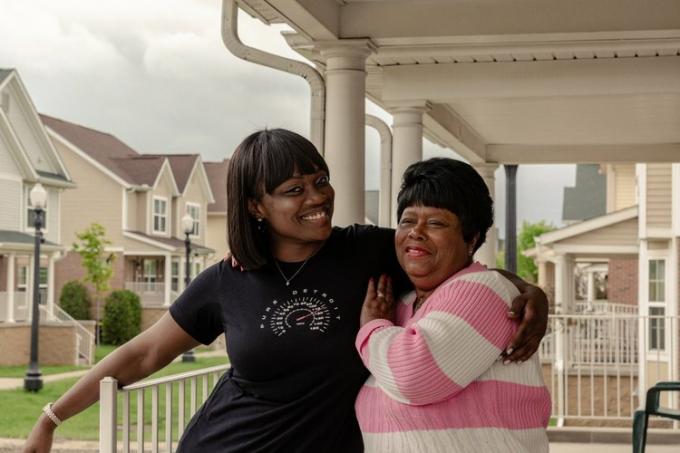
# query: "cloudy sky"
{"type": "Point", "coordinates": [157, 75]}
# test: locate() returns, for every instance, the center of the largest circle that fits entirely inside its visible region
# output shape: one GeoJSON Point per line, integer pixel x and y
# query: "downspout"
{"type": "Point", "coordinates": [309, 73]}
{"type": "Point", "coordinates": [385, 194]}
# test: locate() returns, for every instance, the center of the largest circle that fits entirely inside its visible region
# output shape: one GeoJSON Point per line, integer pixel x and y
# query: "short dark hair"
{"type": "Point", "coordinates": [263, 161]}
{"type": "Point", "coordinates": [453, 185]}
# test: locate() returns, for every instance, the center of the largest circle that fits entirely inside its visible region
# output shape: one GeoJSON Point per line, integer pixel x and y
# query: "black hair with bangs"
{"type": "Point", "coordinates": [449, 184]}
{"type": "Point", "coordinates": [262, 162]}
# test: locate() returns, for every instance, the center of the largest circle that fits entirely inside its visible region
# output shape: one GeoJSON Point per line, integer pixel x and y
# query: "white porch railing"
{"type": "Point", "coordinates": [20, 306]}
{"type": "Point", "coordinates": [84, 338]}
{"type": "Point", "coordinates": [598, 367]}
{"type": "Point", "coordinates": [151, 294]}
{"type": "Point", "coordinates": [603, 306]}
{"type": "Point", "coordinates": [174, 400]}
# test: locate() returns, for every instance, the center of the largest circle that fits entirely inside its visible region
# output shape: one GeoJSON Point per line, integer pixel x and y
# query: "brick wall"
{"type": "Point", "coordinates": [151, 315]}
{"type": "Point", "coordinates": [69, 268]}
{"type": "Point", "coordinates": [57, 344]}
{"type": "Point", "coordinates": [622, 282]}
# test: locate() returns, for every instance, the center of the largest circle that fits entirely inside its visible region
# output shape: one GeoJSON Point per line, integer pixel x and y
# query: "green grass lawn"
{"type": "Point", "coordinates": [20, 409]}
{"type": "Point", "coordinates": [19, 371]}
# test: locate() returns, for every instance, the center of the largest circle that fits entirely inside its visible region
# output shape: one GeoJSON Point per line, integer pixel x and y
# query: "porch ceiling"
{"type": "Point", "coordinates": [525, 81]}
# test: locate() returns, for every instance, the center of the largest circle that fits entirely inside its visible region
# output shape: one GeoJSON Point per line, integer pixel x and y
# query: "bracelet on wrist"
{"type": "Point", "coordinates": [47, 410]}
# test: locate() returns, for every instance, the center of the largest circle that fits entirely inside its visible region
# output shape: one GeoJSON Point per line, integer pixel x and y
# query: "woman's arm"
{"type": "Point", "coordinates": [461, 334]}
{"type": "Point", "coordinates": [531, 307]}
{"type": "Point", "coordinates": [148, 352]}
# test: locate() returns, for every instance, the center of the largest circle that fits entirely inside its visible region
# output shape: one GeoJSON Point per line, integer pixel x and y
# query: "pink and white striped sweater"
{"type": "Point", "coordinates": [438, 384]}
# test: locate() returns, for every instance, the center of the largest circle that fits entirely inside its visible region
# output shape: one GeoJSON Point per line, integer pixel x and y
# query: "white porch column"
{"type": "Point", "coordinates": [167, 280]}
{"type": "Point", "coordinates": [385, 194]}
{"type": "Point", "coordinates": [345, 119]}
{"type": "Point", "coordinates": [542, 273]}
{"type": "Point", "coordinates": [11, 266]}
{"type": "Point", "coordinates": [591, 289]}
{"type": "Point", "coordinates": [407, 147]}
{"type": "Point", "coordinates": [50, 284]}
{"type": "Point", "coordinates": [564, 284]}
{"type": "Point", "coordinates": [487, 253]}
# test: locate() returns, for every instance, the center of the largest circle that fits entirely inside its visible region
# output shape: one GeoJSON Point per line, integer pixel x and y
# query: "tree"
{"type": "Point", "coordinates": [98, 264]}
{"type": "Point", "coordinates": [75, 300]}
{"type": "Point", "coordinates": [526, 267]}
{"type": "Point", "coordinates": [122, 318]}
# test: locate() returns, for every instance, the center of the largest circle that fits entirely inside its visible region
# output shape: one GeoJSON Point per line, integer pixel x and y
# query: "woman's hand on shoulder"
{"type": "Point", "coordinates": [379, 302]}
{"type": "Point", "coordinates": [531, 307]}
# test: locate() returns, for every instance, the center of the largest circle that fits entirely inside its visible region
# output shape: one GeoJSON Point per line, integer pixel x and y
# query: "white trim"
{"type": "Point", "coordinates": [598, 249]}
{"type": "Point", "coordinates": [642, 309]}
{"type": "Point", "coordinates": [24, 162]}
{"type": "Point", "coordinates": [114, 249]}
{"type": "Point", "coordinates": [148, 241]}
{"type": "Point", "coordinates": [38, 128]}
{"type": "Point", "coordinates": [5, 81]}
{"type": "Point", "coordinates": [675, 199]}
{"type": "Point", "coordinates": [166, 166]}
{"type": "Point", "coordinates": [86, 157]}
{"type": "Point", "coordinates": [641, 174]}
{"type": "Point", "coordinates": [124, 216]}
{"type": "Point", "coordinates": [157, 254]}
{"type": "Point", "coordinates": [659, 233]}
{"type": "Point", "coordinates": [10, 177]}
{"type": "Point", "coordinates": [588, 225]}
{"type": "Point", "coordinates": [165, 232]}
{"type": "Point", "coordinates": [661, 254]}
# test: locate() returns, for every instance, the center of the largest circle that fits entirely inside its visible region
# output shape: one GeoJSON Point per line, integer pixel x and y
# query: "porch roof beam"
{"type": "Point", "coordinates": [568, 154]}
{"type": "Point", "coordinates": [448, 83]}
{"type": "Point", "coordinates": [434, 19]}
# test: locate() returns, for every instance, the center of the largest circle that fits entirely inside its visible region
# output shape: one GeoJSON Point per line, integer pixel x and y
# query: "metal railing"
{"type": "Point", "coordinates": [598, 366]}
{"type": "Point", "coordinates": [603, 306]}
{"type": "Point", "coordinates": [85, 344]}
{"type": "Point", "coordinates": [151, 294]}
{"type": "Point", "coordinates": [174, 400]}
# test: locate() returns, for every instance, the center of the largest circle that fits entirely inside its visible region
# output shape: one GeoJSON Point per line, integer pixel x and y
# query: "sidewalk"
{"type": "Point", "coordinates": [12, 383]}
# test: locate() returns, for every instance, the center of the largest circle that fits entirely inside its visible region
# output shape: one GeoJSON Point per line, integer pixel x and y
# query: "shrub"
{"type": "Point", "coordinates": [75, 300]}
{"type": "Point", "coordinates": [122, 318]}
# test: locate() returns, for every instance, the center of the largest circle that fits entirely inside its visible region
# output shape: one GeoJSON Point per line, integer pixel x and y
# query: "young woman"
{"type": "Point", "coordinates": [290, 317]}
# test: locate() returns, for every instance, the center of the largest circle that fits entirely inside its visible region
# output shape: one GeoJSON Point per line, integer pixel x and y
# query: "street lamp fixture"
{"type": "Point", "coordinates": [38, 199]}
{"type": "Point", "coordinates": [188, 228]}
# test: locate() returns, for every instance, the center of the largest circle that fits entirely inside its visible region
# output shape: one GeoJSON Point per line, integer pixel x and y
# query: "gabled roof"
{"type": "Point", "coordinates": [217, 176]}
{"type": "Point", "coordinates": [107, 150]}
{"type": "Point", "coordinates": [4, 73]}
{"type": "Point", "coordinates": [181, 165]}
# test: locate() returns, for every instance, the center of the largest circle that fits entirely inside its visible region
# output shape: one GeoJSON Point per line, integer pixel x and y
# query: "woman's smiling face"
{"type": "Point", "coordinates": [430, 245]}
{"type": "Point", "coordinates": [299, 210]}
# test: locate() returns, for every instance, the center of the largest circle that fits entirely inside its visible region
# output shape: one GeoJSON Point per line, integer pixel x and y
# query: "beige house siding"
{"type": "Point", "coordinates": [140, 217]}
{"type": "Point", "coordinates": [624, 233]}
{"type": "Point", "coordinates": [96, 199]}
{"type": "Point", "coordinates": [19, 117]}
{"type": "Point", "coordinates": [11, 193]}
{"type": "Point", "coordinates": [626, 188]}
{"type": "Point", "coordinates": [659, 194]}
{"type": "Point", "coordinates": [164, 189]}
{"type": "Point", "coordinates": [131, 200]}
{"type": "Point", "coordinates": [216, 236]}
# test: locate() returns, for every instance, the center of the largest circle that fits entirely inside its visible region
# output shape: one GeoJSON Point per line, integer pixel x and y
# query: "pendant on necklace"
{"type": "Point", "coordinates": [287, 283]}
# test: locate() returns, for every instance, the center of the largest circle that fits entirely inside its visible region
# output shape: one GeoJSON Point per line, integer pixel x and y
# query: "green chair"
{"type": "Point", "coordinates": [641, 417]}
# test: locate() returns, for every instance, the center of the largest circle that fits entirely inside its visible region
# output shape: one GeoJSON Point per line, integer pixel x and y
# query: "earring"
{"type": "Point", "coordinates": [471, 250]}
{"type": "Point", "coordinates": [260, 224]}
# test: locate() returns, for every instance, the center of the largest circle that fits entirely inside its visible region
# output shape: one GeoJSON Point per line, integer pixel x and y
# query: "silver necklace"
{"type": "Point", "coordinates": [287, 279]}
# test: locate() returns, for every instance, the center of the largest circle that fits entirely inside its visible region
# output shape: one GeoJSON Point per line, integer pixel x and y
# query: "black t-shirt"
{"type": "Point", "coordinates": [295, 373]}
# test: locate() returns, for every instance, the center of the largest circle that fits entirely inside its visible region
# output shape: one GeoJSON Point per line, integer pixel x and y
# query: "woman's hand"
{"type": "Point", "coordinates": [531, 306]}
{"type": "Point", "coordinates": [40, 439]}
{"type": "Point", "coordinates": [379, 303]}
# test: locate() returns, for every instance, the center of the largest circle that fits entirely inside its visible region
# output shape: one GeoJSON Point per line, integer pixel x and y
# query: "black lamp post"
{"type": "Point", "coordinates": [33, 380]}
{"type": "Point", "coordinates": [188, 227]}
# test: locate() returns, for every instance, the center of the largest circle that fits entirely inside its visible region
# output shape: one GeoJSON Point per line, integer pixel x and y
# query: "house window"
{"type": "Point", "coordinates": [657, 305]}
{"type": "Point", "coordinates": [194, 211]}
{"type": "Point", "coordinates": [150, 275]}
{"type": "Point", "coordinates": [160, 215]}
{"type": "Point", "coordinates": [22, 281]}
{"type": "Point", "coordinates": [174, 283]}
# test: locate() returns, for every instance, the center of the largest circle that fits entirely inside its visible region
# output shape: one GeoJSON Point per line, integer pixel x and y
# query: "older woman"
{"type": "Point", "coordinates": [438, 382]}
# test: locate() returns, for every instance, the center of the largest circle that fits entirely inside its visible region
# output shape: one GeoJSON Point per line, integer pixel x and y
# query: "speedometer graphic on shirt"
{"type": "Point", "coordinates": [305, 310]}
